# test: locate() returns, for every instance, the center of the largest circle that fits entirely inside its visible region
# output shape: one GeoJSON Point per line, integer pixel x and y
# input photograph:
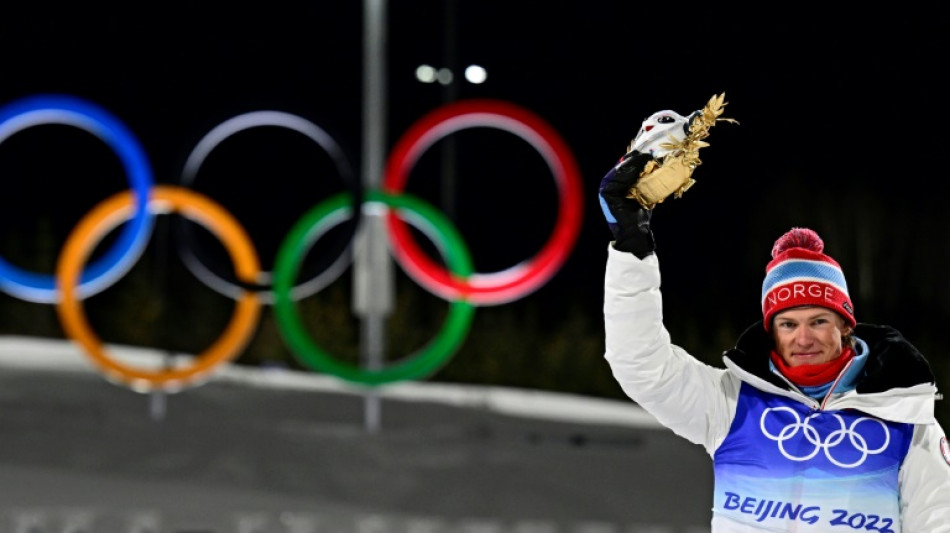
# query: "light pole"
{"type": "Point", "coordinates": [373, 269]}
{"type": "Point", "coordinates": [448, 76]}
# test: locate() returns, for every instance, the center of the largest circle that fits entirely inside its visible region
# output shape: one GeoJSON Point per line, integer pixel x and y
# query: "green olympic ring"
{"type": "Point", "coordinates": [305, 233]}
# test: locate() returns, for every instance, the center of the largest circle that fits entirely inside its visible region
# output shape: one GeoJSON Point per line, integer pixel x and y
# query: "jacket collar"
{"type": "Point", "coordinates": [892, 361]}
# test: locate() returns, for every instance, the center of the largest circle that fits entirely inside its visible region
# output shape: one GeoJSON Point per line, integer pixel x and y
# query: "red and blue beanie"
{"type": "Point", "coordinates": [801, 274]}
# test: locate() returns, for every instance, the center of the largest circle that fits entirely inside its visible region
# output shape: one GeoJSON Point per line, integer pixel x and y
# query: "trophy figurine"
{"type": "Point", "coordinates": [674, 141]}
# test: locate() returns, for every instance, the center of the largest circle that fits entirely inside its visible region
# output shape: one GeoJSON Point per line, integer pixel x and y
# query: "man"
{"type": "Point", "coordinates": [816, 423]}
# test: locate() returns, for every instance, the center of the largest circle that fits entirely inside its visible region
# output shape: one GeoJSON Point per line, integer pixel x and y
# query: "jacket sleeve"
{"type": "Point", "coordinates": [695, 400]}
{"type": "Point", "coordinates": [925, 482]}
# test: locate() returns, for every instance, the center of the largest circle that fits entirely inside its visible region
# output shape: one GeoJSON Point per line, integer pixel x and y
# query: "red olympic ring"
{"type": "Point", "coordinates": [525, 277]}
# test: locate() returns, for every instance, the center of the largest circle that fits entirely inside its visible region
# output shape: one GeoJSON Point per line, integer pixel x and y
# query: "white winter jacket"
{"type": "Point", "coordinates": [870, 459]}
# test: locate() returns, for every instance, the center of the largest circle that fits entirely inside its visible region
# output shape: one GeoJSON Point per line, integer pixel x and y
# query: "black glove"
{"type": "Point", "coordinates": [628, 220]}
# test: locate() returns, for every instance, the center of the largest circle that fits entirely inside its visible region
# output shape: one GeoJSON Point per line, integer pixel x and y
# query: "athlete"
{"type": "Point", "coordinates": [815, 422]}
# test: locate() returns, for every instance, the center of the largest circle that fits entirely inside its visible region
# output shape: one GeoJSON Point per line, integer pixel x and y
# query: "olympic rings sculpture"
{"type": "Point", "coordinates": [136, 208]}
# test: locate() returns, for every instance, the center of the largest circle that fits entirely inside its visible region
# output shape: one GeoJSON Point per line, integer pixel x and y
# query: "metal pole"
{"type": "Point", "coordinates": [373, 269]}
{"type": "Point", "coordinates": [449, 94]}
{"type": "Point", "coordinates": [158, 399]}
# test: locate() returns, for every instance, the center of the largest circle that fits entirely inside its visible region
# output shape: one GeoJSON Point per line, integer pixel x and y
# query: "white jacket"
{"type": "Point", "coordinates": [799, 477]}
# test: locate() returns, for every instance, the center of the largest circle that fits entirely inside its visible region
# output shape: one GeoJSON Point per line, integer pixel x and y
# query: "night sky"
{"type": "Point", "coordinates": [825, 102]}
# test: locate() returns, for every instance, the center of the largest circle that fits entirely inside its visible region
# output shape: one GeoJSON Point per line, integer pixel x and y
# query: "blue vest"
{"type": "Point", "coordinates": [787, 467]}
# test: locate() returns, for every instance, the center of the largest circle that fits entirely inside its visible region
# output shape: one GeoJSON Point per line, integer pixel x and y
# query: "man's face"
{"type": "Point", "coordinates": [808, 335]}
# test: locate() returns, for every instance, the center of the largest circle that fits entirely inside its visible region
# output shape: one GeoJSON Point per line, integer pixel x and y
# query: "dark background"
{"type": "Point", "coordinates": [840, 129]}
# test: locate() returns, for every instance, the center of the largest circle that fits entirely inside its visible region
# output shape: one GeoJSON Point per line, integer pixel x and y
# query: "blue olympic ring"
{"type": "Point", "coordinates": [131, 242]}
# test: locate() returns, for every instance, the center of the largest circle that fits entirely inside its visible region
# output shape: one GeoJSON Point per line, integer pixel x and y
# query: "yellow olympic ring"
{"type": "Point", "coordinates": [162, 200]}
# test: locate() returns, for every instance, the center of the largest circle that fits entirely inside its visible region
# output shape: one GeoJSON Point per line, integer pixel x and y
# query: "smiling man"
{"type": "Point", "coordinates": [806, 308]}
{"type": "Point", "coordinates": [810, 336]}
{"type": "Point", "coordinates": [817, 423]}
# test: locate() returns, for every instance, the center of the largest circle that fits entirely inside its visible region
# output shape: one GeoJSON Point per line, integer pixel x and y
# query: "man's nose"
{"type": "Point", "coordinates": [803, 336]}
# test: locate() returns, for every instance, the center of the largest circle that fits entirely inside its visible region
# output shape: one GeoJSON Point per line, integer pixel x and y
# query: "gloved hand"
{"type": "Point", "coordinates": [628, 220]}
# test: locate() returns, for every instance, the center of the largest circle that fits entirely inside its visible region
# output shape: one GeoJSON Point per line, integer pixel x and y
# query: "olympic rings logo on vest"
{"type": "Point", "coordinates": [857, 443]}
{"type": "Point", "coordinates": [135, 209]}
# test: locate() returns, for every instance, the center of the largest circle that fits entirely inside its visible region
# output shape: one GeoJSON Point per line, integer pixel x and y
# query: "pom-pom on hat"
{"type": "Point", "coordinates": [801, 274]}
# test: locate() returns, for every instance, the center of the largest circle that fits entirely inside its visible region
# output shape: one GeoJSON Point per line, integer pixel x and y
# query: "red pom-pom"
{"type": "Point", "coordinates": [798, 238]}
